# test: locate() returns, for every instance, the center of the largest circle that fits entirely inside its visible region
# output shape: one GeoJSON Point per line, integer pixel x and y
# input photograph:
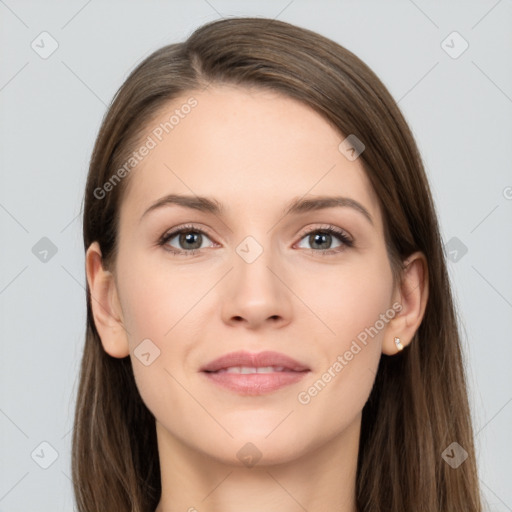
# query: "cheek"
{"type": "Point", "coordinates": [155, 300]}
{"type": "Point", "coordinates": [148, 310]}
{"type": "Point", "coordinates": [152, 309]}
{"type": "Point", "coordinates": [356, 298]}
{"type": "Point", "coordinates": [152, 298]}
{"type": "Point", "coordinates": [348, 298]}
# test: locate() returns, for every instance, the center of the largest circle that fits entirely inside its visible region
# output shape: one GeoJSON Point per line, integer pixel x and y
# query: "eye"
{"type": "Point", "coordinates": [321, 240]}
{"type": "Point", "coordinates": [188, 238]}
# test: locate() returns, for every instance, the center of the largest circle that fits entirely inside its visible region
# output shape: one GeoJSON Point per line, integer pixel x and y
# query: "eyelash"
{"type": "Point", "coordinates": [331, 230]}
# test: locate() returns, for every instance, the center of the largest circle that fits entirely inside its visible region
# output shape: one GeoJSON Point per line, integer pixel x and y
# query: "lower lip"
{"type": "Point", "coordinates": [255, 383]}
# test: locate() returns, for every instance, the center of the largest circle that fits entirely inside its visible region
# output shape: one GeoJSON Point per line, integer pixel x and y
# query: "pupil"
{"type": "Point", "coordinates": [324, 236]}
{"type": "Point", "coordinates": [188, 238]}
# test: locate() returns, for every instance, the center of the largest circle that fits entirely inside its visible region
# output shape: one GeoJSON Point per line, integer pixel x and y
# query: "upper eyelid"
{"type": "Point", "coordinates": [325, 227]}
{"type": "Point", "coordinates": [178, 230]}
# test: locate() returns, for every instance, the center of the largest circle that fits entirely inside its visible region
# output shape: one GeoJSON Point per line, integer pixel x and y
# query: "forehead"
{"type": "Point", "coordinates": [248, 148]}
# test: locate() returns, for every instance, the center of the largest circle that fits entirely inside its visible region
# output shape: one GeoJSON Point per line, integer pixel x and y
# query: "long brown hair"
{"type": "Point", "coordinates": [419, 403]}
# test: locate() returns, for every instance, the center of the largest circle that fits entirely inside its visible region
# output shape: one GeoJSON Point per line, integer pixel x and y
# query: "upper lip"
{"type": "Point", "coordinates": [254, 360]}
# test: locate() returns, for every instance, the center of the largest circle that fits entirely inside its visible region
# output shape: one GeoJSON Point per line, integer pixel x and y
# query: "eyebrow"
{"type": "Point", "coordinates": [296, 206]}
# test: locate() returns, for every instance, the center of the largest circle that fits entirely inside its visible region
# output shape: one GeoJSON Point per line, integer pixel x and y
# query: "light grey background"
{"type": "Point", "coordinates": [460, 110]}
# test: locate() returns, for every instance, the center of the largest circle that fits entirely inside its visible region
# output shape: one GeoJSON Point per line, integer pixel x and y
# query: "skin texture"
{"type": "Point", "coordinates": [253, 151]}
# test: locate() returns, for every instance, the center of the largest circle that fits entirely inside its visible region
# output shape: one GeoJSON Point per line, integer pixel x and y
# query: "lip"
{"type": "Point", "coordinates": [254, 360]}
{"type": "Point", "coordinates": [288, 371]}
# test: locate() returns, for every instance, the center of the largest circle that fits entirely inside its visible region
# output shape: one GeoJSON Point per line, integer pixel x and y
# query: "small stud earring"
{"type": "Point", "coordinates": [398, 344]}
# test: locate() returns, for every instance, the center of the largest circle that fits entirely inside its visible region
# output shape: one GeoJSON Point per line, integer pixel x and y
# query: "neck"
{"type": "Point", "coordinates": [324, 478]}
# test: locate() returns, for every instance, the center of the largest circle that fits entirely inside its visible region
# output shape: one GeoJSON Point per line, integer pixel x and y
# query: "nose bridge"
{"type": "Point", "coordinates": [254, 292]}
{"type": "Point", "coordinates": [252, 260]}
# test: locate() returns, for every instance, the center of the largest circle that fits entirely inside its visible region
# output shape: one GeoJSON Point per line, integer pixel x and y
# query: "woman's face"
{"type": "Point", "coordinates": [259, 278]}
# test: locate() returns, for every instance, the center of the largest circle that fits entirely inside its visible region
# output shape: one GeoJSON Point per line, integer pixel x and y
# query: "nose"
{"type": "Point", "coordinates": [256, 292]}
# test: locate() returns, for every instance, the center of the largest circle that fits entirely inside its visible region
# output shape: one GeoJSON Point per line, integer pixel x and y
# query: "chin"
{"type": "Point", "coordinates": [258, 447]}
{"type": "Point", "coordinates": [251, 454]}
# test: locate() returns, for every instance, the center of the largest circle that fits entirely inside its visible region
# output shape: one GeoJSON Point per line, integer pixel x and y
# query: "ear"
{"type": "Point", "coordinates": [105, 304]}
{"type": "Point", "coordinates": [412, 295]}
